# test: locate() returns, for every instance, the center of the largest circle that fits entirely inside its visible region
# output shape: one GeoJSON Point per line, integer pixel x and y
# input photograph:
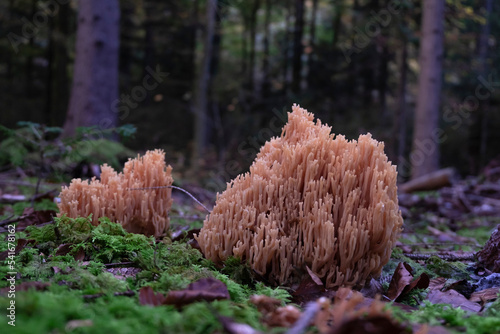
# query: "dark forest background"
{"type": "Point", "coordinates": [228, 70]}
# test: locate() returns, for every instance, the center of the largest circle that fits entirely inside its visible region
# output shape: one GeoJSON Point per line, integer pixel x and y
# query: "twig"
{"type": "Point", "coordinates": [117, 264]}
{"type": "Point", "coordinates": [9, 220]}
{"type": "Point", "coordinates": [177, 188]}
{"type": "Point", "coordinates": [129, 293]}
{"type": "Point", "coordinates": [304, 321]}
{"type": "Point", "coordinates": [445, 257]}
{"type": "Point", "coordinates": [194, 217]}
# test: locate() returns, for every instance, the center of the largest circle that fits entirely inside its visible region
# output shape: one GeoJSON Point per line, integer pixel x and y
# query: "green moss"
{"type": "Point", "coordinates": [455, 270]}
{"type": "Point", "coordinates": [449, 317]}
{"type": "Point", "coordinates": [52, 311]}
{"type": "Point", "coordinates": [44, 204]}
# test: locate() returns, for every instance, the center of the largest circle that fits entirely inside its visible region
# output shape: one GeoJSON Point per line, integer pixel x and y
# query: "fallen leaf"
{"type": "Point", "coordinates": [453, 298]}
{"type": "Point", "coordinates": [207, 289]}
{"type": "Point", "coordinates": [437, 283]}
{"type": "Point", "coordinates": [264, 303]}
{"type": "Point", "coordinates": [148, 297]}
{"type": "Point", "coordinates": [273, 314]}
{"type": "Point", "coordinates": [31, 217]}
{"type": "Point", "coordinates": [309, 290]}
{"type": "Point", "coordinates": [25, 286]}
{"type": "Point", "coordinates": [485, 295]}
{"type": "Point", "coordinates": [21, 243]}
{"type": "Point", "coordinates": [402, 281]}
{"type": "Point", "coordinates": [65, 249]}
{"type": "Point", "coordinates": [371, 325]}
{"type": "Point", "coordinates": [314, 277]}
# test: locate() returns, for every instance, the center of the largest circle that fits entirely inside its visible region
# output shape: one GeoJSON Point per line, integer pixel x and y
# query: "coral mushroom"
{"type": "Point", "coordinates": [310, 199]}
{"type": "Point", "coordinates": [138, 211]}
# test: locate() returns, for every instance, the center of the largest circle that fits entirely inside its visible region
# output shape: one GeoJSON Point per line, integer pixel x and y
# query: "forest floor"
{"type": "Point", "coordinates": [62, 275]}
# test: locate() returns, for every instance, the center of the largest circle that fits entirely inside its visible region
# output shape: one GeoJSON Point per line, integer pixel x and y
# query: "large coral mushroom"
{"type": "Point", "coordinates": [312, 199]}
{"type": "Point", "coordinates": [138, 211]}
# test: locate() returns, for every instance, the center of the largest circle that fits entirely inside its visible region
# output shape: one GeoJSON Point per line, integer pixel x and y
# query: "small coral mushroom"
{"type": "Point", "coordinates": [143, 211]}
{"type": "Point", "coordinates": [310, 199]}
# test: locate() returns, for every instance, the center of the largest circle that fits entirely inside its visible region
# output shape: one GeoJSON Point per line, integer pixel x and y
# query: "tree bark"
{"type": "Point", "coordinates": [95, 76]}
{"type": "Point", "coordinates": [297, 46]}
{"type": "Point", "coordinates": [266, 82]}
{"type": "Point", "coordinates": [311, 64]}
{"type": "Point", "coordinates": [253, 36]}
{"type": "Point", "coordinates": [478, 129]}
{"type": "Point", "coordinates": [201, 106]}
{"type": "Point", "coordinates": [425, 151]}
{"type": "Point", "coordinates": [400, 116]}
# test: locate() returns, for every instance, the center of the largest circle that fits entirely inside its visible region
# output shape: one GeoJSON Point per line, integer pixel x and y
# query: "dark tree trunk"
{"type": "Point", "coordinates": [95, 78]}
{"type": "Point", "coordinates": [201, 106]}
{"type": "Point", "coordinates": [253, 36]}
{"type": "Point", "coordinates": [311, 64]}
{"type": "Point", "coordinates": [400, 115]}
{"type": "Point", "coordinates": [286, 47]}
{"type": "Point", "coordinates": [478, 129]}
{"type": "Point", "coordinates": [266, 81]}
{"type": "Point", "coordinates": [425, 150]}
{"type": "Point", "coordinates": [297, 46]}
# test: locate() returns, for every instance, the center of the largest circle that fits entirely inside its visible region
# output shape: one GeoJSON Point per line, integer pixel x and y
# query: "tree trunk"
{"type": "Point", "coordinates": [297, 46]}
{"type": "Point", "coordinates": [286, 47]}
{"type": "Point", "coordinates": [266, 82]}
{"type": "Point", "coordinates": [478, 129]}
{"type": "Point", "coordinates": [95, 76]}
{"type": "Point", "coordinates": [253, 36]}
{"type": "Point", "coordinates": [425, 151]}
{"type": "Point", "coordinates": [400, 116]}
{"type": "Point", "coordinates": [311, 64]}
{"type": "Point", "coordinates": [201, 103]}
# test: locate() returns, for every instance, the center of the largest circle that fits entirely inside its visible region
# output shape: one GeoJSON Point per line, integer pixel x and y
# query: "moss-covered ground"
{"type": "Point", "coordinates": [86, 279]}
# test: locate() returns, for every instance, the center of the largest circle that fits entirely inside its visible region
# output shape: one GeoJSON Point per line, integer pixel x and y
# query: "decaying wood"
{"type": "Point", "coordinates": [431, 181]}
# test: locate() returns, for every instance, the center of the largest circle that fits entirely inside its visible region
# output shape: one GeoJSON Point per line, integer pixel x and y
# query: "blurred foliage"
{"type": "Point", "coordinates": [40, 148]}
{"type": "Point", "coordinates": [350, 65]}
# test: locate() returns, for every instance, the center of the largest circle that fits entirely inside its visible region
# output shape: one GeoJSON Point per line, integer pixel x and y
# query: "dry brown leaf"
{"type": "Point", "coordinates": [25, 286]}
{"type": "Point", "coordinates": [437, 283]}
{"type": "Point", "coordinates": [453, 298]}
{"type": "Point", "coordinates": [402, 281]}
{"type": "Point", "coordinates": [21, 243]}
{"type": "Point", "coordinates": [371, 325]}
{"type": "Point", "coordinates": [309, 290]}
{"type": "Point", "coordinates": [31, 217]}
{"type": "Point", "coordinates": [148, 297]}
{"type": "Point", "coordinates": [485, 295]}
{"type": "Point", "coordinates": [207, 289]}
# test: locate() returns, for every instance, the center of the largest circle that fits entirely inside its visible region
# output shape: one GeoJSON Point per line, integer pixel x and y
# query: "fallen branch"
{"type": "Point", "coordinates": [129, 293]}
{"type": "Point", "coordinates": [445, 257]}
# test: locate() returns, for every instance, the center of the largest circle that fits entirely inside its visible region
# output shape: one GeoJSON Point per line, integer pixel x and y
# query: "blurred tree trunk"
{"type": "Point", "coordinates": [266, 81]}
{"type": "Point", "coordinates": [339, 9]}
{"type": "Point", "coordinates": [253, 37]}
{"type": "Point", "coordinates": [286, 46]}
{"type": "Point", "coordinates": [478, 129]}
{"type": "Point", "coordinates": [29, 59]}
{"type": "Point", "coordinates": [400, 115]}
{"type": "Point", "coordinates": [425, 150]}
{"type": "Point", "coordinates": [298, 49]}
{"type": "Point", "coordinates": [58, 59]}
{"type": "Point", "coordinates": [201, 103]}
{"type": "Point", "coordinates": [95, 76]}
{"type": "Point", "coordinates": [311, 64]}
